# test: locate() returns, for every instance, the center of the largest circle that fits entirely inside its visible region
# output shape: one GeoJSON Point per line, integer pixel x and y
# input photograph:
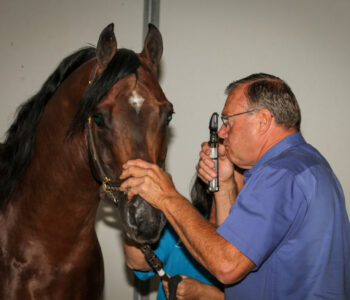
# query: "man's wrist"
{"type": "Point", "coordinates": [227, 188]}
{"type": "Point", "coordinates": [174, 203]}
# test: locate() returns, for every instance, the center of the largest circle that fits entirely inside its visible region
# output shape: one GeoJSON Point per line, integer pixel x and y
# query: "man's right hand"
{"type": "Point", "coordinates": [205, 166]}
{"type": "Point", "coordinates": [231, 181]}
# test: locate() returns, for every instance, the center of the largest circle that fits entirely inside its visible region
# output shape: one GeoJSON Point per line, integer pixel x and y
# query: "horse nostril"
{"type": "Point", "coordinates": [142, 221]}
{"type": "Point", "coordinates": [148, 230]}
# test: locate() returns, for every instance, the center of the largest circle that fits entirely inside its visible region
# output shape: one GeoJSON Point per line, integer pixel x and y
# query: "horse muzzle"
{"type": "Point", "coordinates": [142, 222]}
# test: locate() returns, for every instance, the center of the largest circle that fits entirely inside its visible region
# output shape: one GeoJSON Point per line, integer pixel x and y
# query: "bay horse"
{"type": "Point", "coordinates": [65, 150]}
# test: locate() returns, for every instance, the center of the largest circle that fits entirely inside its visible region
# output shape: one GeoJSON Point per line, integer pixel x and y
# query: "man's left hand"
{"type": "Point", "coordinates": [147, 180]}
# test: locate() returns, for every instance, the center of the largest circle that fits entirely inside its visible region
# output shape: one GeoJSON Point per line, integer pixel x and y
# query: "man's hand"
{"type": "Point", "coordinates": [192, 289]}
{"type": "Point", "coordinates": [147, 180]}
{"type": "Point", "coordinates": [205, 166]}
{"type": "Point", "coordinates": [230, 181]}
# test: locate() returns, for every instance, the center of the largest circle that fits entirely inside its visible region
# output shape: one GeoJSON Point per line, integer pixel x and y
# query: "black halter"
{"type": "Point", "coordinates": [110, 190]}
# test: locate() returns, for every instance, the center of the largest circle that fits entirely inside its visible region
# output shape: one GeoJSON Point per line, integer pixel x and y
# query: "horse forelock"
{"type": "Point", "coordinates": [124, 63]}
{"type": "Point", "coordinates": [16, 151]}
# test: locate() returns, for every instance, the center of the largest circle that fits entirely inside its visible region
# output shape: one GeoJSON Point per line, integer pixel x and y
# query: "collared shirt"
{"type": "Point", "coordinates": [290, 219]}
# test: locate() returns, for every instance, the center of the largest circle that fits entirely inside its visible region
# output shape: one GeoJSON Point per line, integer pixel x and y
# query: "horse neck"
{"type": "Point", "coordinates": [58, 187]}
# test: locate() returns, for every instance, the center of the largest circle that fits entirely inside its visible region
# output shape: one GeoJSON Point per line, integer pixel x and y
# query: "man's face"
{"type": "Point", "coordinates": [240, 134]}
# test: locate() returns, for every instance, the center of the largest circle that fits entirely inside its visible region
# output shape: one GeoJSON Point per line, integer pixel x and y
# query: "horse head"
{"type": "Point", "coordinates": [128, 121]}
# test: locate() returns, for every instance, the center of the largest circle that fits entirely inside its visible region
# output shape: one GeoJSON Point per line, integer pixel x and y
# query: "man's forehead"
{"type": "Point", "coordinates": [236, 101]}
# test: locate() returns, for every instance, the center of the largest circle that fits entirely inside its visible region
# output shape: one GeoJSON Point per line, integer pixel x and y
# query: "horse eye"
{"type": "Point", "coordinates": [170, 117]}
{"type": "Point", "coordinates": [98, 120]}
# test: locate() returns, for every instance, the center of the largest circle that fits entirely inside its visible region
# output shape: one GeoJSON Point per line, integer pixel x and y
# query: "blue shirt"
{"type": "Point", "coordinates": [176, 261]}
{"type": "Point", "coordinates": [290, 220]}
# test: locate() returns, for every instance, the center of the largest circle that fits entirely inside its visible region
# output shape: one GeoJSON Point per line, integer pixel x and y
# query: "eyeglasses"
{"type": "Point", "coordinates": [225, 119]}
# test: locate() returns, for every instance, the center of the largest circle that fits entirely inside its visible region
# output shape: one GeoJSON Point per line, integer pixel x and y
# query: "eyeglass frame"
{"type": "Point", "coordinates": [225, 119]}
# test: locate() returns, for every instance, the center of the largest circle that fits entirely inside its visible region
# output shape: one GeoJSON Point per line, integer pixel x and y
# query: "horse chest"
{"type": "Point", "coordinates": [32, 275]}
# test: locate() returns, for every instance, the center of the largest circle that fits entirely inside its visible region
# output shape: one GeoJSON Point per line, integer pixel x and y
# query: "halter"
{"type": "Point", "coordinates": [109, 189]}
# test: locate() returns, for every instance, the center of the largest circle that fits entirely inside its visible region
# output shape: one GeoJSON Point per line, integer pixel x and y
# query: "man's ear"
{"type": "Point", "coordinates": [265, 120]}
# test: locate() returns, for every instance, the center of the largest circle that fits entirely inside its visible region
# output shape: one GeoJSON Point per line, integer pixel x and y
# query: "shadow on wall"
{"type": "Point", "coordinates": [108, 214]}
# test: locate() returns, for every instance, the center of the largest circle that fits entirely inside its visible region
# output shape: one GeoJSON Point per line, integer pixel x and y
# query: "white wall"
{"type": "Point", "coordinates": [207, 44]}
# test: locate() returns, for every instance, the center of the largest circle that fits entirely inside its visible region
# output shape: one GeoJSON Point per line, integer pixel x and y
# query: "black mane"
{"type": "Point", "coordinates": [201, 199]}
{"type": "Point", "coordinates": [16, 151]}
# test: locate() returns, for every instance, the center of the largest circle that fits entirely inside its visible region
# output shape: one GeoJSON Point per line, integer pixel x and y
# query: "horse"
{"type": "Point", "coordinates": [63, 153]}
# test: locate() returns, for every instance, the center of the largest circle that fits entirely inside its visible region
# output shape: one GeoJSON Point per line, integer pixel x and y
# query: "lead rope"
{"type": "Point", "coordinates": [157, 265]}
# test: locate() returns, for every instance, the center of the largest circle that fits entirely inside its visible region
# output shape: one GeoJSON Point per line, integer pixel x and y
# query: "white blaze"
{"type": "Point", "coordinates": [136, 101]}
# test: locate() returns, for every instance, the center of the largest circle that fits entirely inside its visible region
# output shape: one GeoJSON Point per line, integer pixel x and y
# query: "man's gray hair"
{"type": "Point", "coordinates": [270, 92]}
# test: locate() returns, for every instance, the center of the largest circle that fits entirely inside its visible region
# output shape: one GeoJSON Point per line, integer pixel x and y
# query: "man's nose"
{"type": "Point", "coordinates": [222, 132]}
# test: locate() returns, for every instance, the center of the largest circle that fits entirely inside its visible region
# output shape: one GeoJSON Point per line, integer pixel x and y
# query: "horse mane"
{"type": "Point", "coordinates": [16, 151]}
{"type": "Point", "coordinates": [124, 63]}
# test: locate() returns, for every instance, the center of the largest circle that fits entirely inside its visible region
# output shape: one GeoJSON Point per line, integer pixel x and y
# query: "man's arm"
{"type": "Point", "coordinates": [217, 255]}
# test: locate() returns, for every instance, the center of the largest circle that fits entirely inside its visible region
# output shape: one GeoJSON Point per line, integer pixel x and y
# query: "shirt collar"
{"type": "Point", "coordinates": [289, 141]}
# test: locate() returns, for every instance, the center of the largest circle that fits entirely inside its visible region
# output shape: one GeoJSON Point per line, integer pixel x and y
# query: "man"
{"type": "Point", "coordinates": [287, 235]}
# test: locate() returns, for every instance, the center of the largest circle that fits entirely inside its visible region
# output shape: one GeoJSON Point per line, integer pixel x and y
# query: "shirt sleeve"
{"type": "Point", "coordinates": [263, 213]}
{"type": "Point", "coordinates": [162, 249]}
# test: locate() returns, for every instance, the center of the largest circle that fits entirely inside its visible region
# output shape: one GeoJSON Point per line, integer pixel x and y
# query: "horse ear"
{"type": "Point", "coordinates": [153, 47]}
{"type": "Point", "coordinates": [106, 47]}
